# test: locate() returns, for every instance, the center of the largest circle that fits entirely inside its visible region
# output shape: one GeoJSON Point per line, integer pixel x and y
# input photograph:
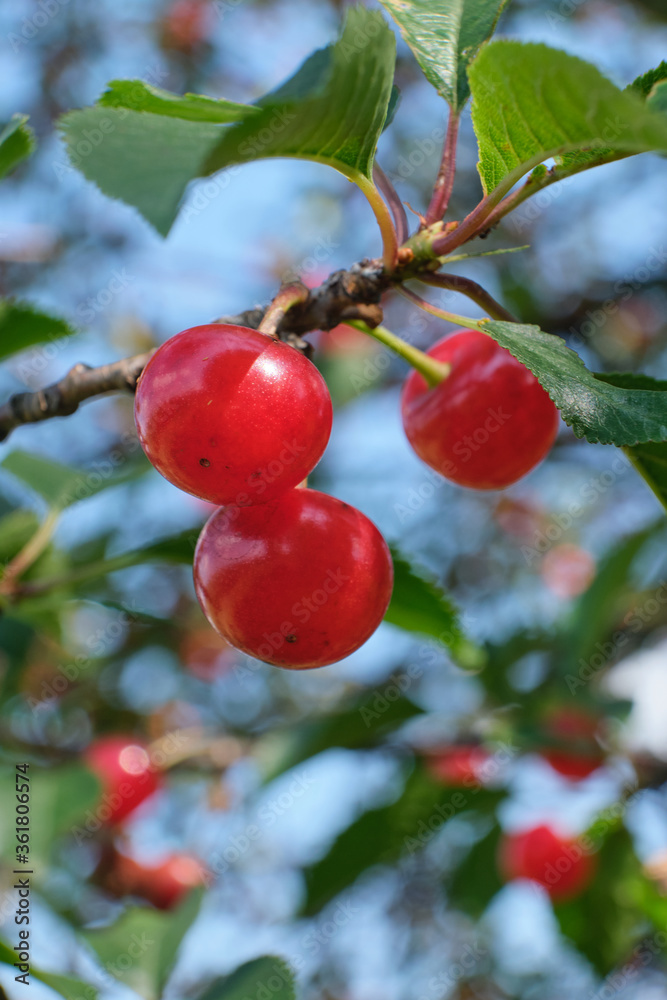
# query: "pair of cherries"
{"type": "Point", "coordinates": [287, 574]}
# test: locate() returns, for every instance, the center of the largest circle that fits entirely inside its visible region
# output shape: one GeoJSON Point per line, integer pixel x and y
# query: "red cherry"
{"type": "Point", "coordinates": [559, 865]}
{"type": "Point", "coordinates": [458, 766]}
{"type": "Point", "coordinates": [572, 765]}
{"type": "Point", "coordinates": [124, 768]}
{"type": "Point", "coordinates": [571, 723]}
{"type": "Point", "coordinates": [163, 885]}
{"type": "Point", "coordinates": [231, 415]}
{"type": "Point", "coordinates": [185, 24]}
{"type": "Point", "coordinates": [490, 421]}
{"type": "Point", "coordinates": [299, 582]}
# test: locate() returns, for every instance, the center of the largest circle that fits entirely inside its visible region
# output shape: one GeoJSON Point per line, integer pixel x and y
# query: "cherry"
{"type": "Point", "coordinates": [488, 423]}
{"type": "Point", "coordinates": [299, 582]}
{"type": "Point", "coordinates": [231, 415]}
{"type": "Point", "coordinates": [572, 765]}
{"type": "Point", "coordinates": [124, 768]}
{"type": "Point", "coordinates": [164, 885]}
{"type": "Point", "coordinates": [558, 864]}
{"type": "Point", "coordinates": [458, 766]}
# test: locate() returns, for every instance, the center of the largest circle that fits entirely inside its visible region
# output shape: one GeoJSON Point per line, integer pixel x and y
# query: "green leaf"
{"type": "Point", "coordinates": [382, 836]}
{"type": "Point", "coordinates": [16, 528]}
{"type": "Point", "coordinates": [599, 608]}
{"type": "Point", "coordinates": [17, 141]}
{"type": "Point", "coordinates": [62, 485]}
{"type": "Point", "coordinates": [144, 159]}
{"type": "Point", "coordinates": [332, 111]}
{"type": "Point", "coordinates": [139, 96]}
{"type": "Point", "coordinates": [264, 976]}
{"type": "Point", "coordinates": [531, 103]}
{"type": "Point", "coordinates": [21, 326]}
{"type": "Point", "coordinates": [649, 459]}
{"type": "Point", "coordinates": [445, 36]}
{"type": "Point", "coordinates": [475, 881]}
{"type": "Point", "coordinates": [657, 99]}
{"type": "Point", "coordinates": [66, 986]}
{"type": "Point", "coordinates": [644, 84]}
{"type": "Point", "coordinates": [591, 405]}
{"type": "Point", "coordinates": [418, 605]}
{"type": "Point", "coordinates": [363, 724]}
{"type": "Point", "coordinates": [59, 799]}
{"type": "Point", "coordinates": [600, 922]}
{"type": "Point", "coordinates": [153, 936]}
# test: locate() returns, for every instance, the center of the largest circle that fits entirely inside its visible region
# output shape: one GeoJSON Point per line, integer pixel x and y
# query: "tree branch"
{"type": "Point", "coordinates": [354, 294]}
{"type": "Point", "coordinates": [64, 397]}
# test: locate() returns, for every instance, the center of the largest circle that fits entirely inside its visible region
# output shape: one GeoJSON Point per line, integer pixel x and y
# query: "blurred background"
{"type": "Point", "coordinates": [353, 876]}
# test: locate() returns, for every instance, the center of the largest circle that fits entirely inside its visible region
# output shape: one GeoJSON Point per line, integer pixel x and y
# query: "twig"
{"type": "Point", "coordinates": [292, 293]}
{"type": "Point", "coordinates": [64, 397]}
{"type": "Point", "coordinates": [445, 181]}
{"type": "Point", "coordinates": [473, 291]}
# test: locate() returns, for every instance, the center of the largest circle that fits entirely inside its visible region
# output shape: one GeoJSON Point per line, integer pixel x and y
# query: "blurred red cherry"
{"type": "Point", "coordinates": [124, 768]}
{"type": "Point", "coordinates": [164, 885]}
{"type": "Point", "coordinates": [560, 865]}
{"type": "Point", "coordinates": [573, 765]}
{"type": "Point", "coordinates": [185, 25]}
{"type": "Point", "coordinates": [459, 766]}
{"type": "Point", "coordinates": [568, 570]}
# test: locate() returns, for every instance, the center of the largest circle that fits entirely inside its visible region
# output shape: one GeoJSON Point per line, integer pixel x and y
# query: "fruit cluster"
{"type": "Point", "coordinates": [285, 573]}
{"type": "Point", "coordinates": [128, 778]}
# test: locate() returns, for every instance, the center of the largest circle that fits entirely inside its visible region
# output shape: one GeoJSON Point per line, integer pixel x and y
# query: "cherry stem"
{"type": "Point", "coordinates": [392, 198]}
{"type": "Point", "coordinates": [384, 221]}
{"type": "Point", "coordinates": [290, 294]}
{"type": "Point", "coordinates": [30, 552]}
{"type": "Point", "coordinates": [463, 321]}
{"type": "Point", "coordinates": [445, 180]}
{"type": "Point", "coordinates": [433, 371]}
{"type": "Point", "coordinates": [473, 291]}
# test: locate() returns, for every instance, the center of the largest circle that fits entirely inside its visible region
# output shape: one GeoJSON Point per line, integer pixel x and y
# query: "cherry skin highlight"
{"type": "Point", "coordinates": [124, 769]}
{"type": "Point", "coordinates": [299, 582]}
{"type": "Point", "coordinates": [559, 865]}
{"type": "Point", "coordinates": [488, 423]}
{"type": "Point", "coordinates": [231, 415]}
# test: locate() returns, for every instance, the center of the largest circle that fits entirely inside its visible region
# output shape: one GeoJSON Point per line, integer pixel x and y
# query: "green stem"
{"type": "Point", "coordinates": [93, 571]}
{"type": "Point", "coordinates": [464, 321]}
{"type": "Point", "coordinates": [433, 371]}
{"type": "Point", "coordinates": [384, 221]}
{"type": "Point", "coordinates": [30, 552]}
